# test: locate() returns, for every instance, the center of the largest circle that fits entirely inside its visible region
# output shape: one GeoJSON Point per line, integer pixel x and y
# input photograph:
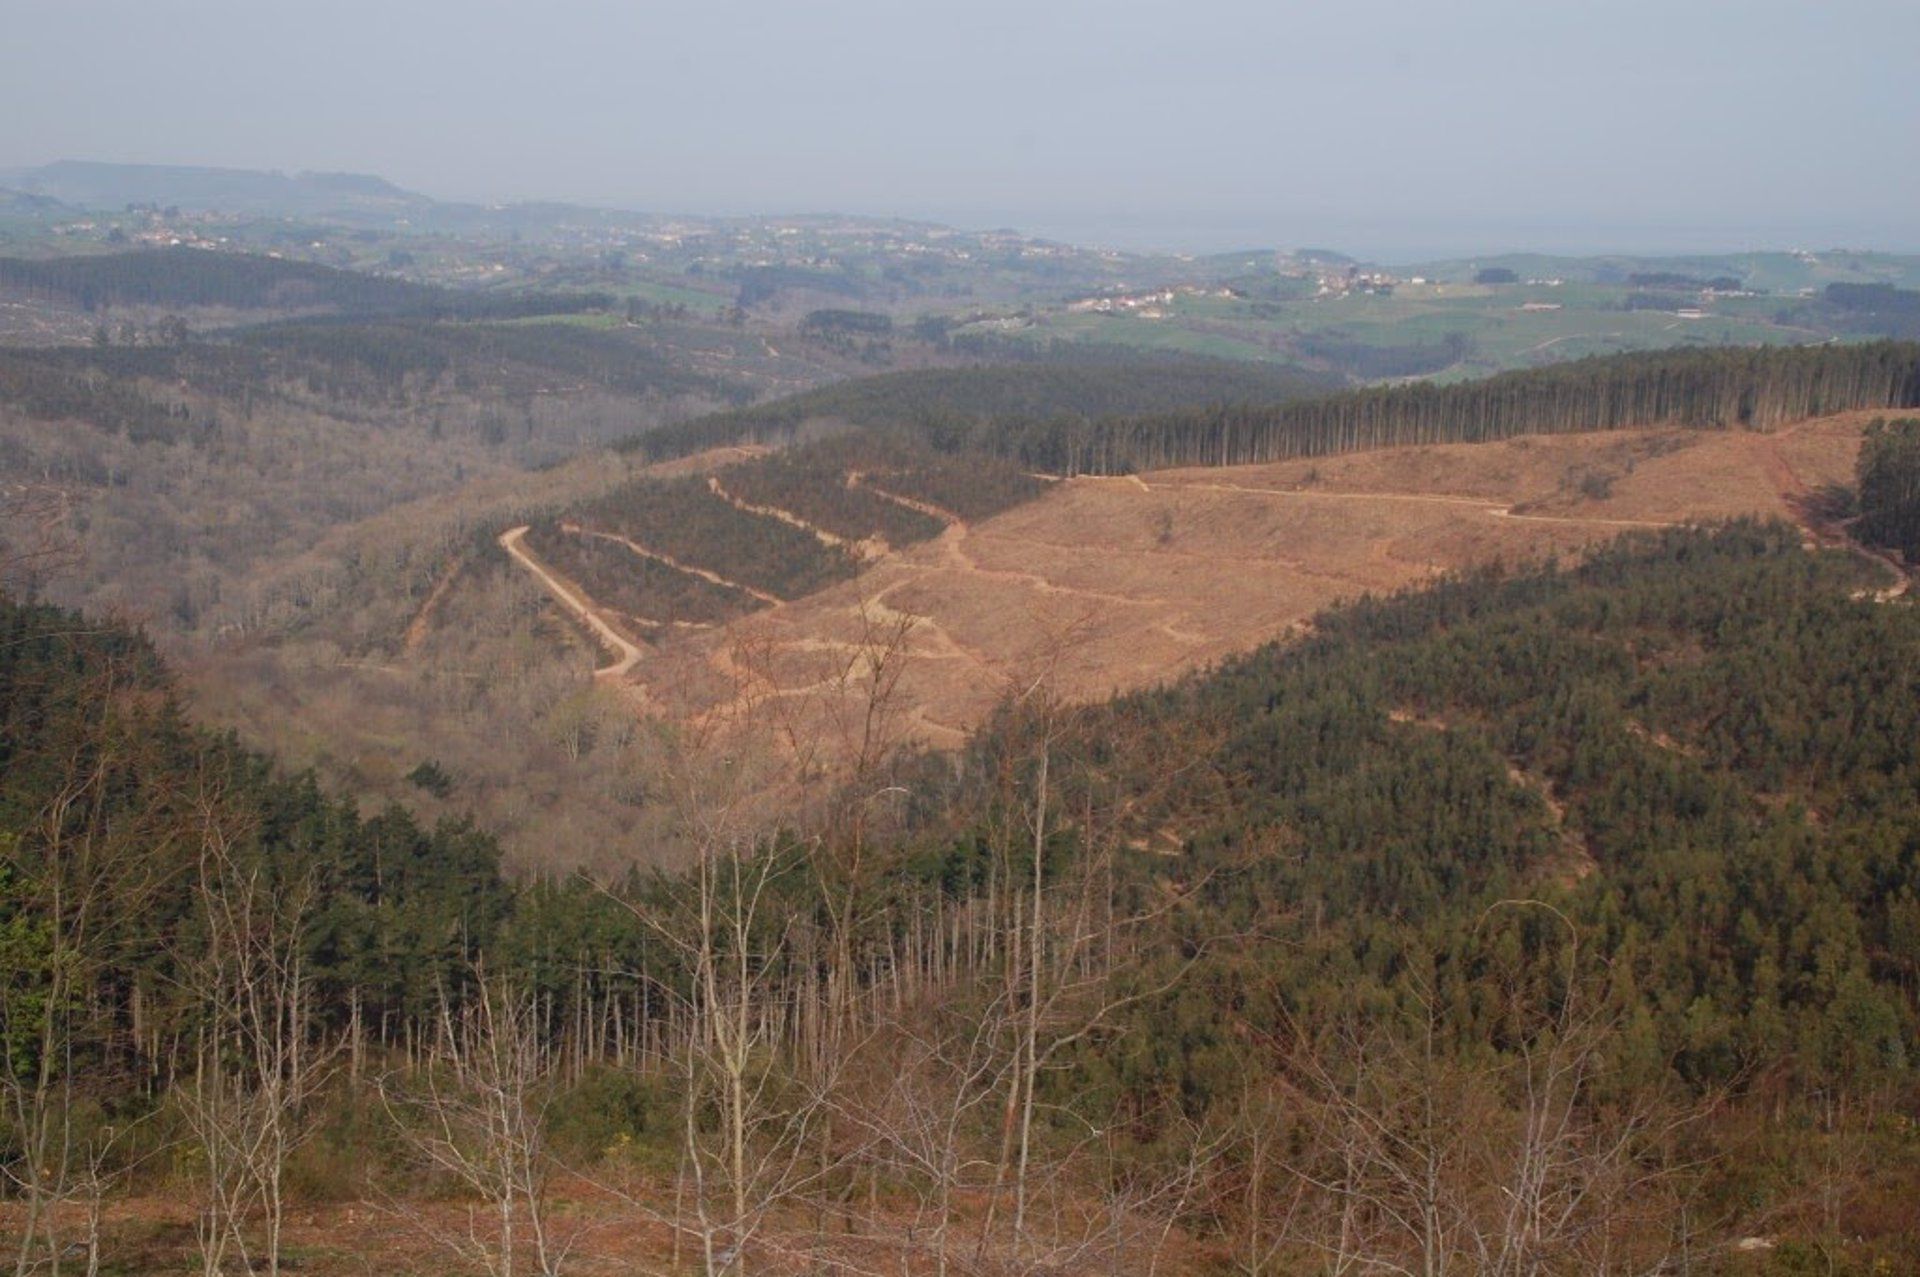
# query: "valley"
{"type": "Point", "coordinates": [544, 739]}
{"type": "Point", "coordinates": [765, 574]}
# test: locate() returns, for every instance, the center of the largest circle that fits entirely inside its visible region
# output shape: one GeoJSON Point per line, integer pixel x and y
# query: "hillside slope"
{"type": "Point", "coordinates": [1121, 582]}
{"type": "Point", "coordinates": [1592, 889]}
{"type": "Point", "coordinates": [944, 406]}
{"type": "Point", "coordinates": [1635, 844]}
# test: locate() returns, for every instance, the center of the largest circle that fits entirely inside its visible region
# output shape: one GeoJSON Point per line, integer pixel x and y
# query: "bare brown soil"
{"type": "Point", "coordinates": [617, 1224]}
{"type": "Point", "coordinates": [1115, 583]}
{"type": "Point", "coordinates": [601, 1234]}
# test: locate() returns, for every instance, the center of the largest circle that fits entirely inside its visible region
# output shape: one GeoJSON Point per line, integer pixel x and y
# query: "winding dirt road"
{"type": "Point", "coordinates": [625, 653]}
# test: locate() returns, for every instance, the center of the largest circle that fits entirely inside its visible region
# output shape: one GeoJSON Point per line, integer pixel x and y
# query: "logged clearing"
{"type": "Point", "coordinates": [1113, 583]}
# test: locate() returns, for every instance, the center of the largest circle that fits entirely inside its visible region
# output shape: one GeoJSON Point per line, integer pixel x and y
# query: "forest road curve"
{"type": "Point", "coordinates": [626, 654]}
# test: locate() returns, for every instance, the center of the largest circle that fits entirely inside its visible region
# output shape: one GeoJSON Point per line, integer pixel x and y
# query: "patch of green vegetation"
{"type": "Point", "coordinates": [686, 521]}
{"type": "Point", "coordinates": [656, 292]}
{"type": "Point", "coordinates": [1162, 337]}
{"type": "Point", "coordinates": [815, 484]}
{"type": "Point", "coordinates": [644, 589]}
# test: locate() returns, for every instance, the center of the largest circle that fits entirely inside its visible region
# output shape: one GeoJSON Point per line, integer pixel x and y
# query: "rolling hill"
{"type": "Point", "coordinates": [738, 581]}
{"type": "Point", "coordinates": [1125, 581]}
{"type": "Point", "coordinates": [948, 406]}
{"type": "Point", "coordinates": [96, 185]}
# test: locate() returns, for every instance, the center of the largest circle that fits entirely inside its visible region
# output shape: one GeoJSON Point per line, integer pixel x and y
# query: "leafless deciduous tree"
{"type": "Point", "coordinates": [475, 1111]}
{"type": "Point", "coordinates": [258, 1063]}
{"type": "Point", "coordinates": [37, 542]}
{"type": "Point", "coordinates": [748, 1119]}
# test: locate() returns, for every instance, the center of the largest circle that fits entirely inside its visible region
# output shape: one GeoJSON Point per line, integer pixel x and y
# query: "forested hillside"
{"type": "Point", "coordinates": [1881, 309]}
{"type": "Point", "coordinates": [1586, 893]}
{"type": "Point", "coordinates": [291, 431]}
{"type": "Point", "coordinates": [944, 405]}
{"type": "Point", "coordinates": [107, 788]}
{"type": "Point", "coordinates": [1713, 389]}
{"type": "Point", "coordinates": [382, 358]}
{"type": "Point", "coordinates": [188, 278]}
{"type": "Point", "coordinates": [162, 889]}
{"type": "Point", "coordinates": [1698, 727]}
{"type": "Point", "coordinates": [146, 392]}
{"type": "Point", "coordinates": [1227, 421]}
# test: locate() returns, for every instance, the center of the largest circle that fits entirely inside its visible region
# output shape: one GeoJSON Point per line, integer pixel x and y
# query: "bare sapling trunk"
{"type": "Point", "coordinates": [258, 1063]}
{"type": "Point", "coordinates": [475, 1111]}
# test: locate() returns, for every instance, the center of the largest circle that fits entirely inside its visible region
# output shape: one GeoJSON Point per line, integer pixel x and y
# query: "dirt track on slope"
{"type": "Point", "coordinates": [714, 578]}
{"type": "Point", "coordinates": [871, 548]}
{"type": "Point", "coordinates": [626, 654]}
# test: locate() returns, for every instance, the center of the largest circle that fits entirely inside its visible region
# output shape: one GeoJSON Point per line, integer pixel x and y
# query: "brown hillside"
{"type": "Point", "coordinates": [1119, 582]}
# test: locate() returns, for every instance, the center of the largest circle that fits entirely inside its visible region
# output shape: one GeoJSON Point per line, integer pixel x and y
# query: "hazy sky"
{"type": "Point", "coordinates": [1383, 126]}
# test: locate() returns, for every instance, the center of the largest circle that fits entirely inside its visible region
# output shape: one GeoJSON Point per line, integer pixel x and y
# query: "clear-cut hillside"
{"type": "Point", "coordinates": [1113, 583]}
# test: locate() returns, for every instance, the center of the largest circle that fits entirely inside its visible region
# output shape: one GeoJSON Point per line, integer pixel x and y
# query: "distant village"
{"type": "Point", "coordinates": [1147, 305]}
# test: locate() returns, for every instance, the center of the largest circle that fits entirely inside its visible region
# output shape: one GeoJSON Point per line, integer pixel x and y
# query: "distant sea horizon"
{"type": "Point", "coordinates": [1402, 237]}
{"type": "Point", "coordinates": [1404, 242]}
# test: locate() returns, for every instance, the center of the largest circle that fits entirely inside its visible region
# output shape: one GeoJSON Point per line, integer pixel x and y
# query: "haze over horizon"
{"type": "Point", "coordinates": [1390, 129]}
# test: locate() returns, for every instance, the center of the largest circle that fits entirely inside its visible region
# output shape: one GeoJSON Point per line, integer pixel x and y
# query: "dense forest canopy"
{"type": "Point", "coordinates": [1874, 308]}
{"type": "Point", "coordinates": [1372, 360]}
{"type": "Point", "coordinates": [1889, 489]}
{"type": "Point", "coordinates": [511, 356]}
{"type": "Point", "coordinates": [89, 715]}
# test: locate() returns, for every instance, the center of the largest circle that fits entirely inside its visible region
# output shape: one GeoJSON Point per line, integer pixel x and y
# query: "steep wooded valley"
{"type": "Point", "coordinates": [748, 770]}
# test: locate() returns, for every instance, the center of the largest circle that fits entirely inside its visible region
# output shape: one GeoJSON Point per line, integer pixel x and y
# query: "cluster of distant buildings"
{"type": "Point", "coordinates": [1368, 283]}
{"type": "Point", "coordinates": [149, 227]}
{"type": "Point", "coordinates": [1148, 305]}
